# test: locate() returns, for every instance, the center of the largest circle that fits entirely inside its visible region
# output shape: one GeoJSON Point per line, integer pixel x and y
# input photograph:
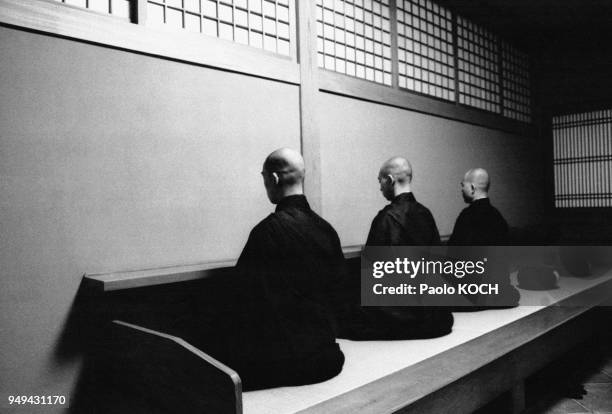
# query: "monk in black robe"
{"type": "Point", "coordinates": [281, 329]}
{"type": "Point", "coordinates": [404, 222]}
{"type": "Point", "coordinates": [481, 224]}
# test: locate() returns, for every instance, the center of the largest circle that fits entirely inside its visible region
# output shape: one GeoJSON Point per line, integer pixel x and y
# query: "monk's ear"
{"type": "Point", "coordinates": [473, 188]}
{"type": "Point", "coordinates": [391, 179]}
{"type": "Point", "coordinates": [276, 178]}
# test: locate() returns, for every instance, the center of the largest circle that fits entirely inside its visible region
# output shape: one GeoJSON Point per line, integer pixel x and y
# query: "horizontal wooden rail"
{"type": "Point", "coordinates": [104, 282]}
{"type": "Point", "coordinates": [339, 84]}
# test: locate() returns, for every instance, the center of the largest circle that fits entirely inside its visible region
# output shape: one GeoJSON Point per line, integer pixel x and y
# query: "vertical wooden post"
{"type": "Point", "coordinates": [500, 73]}
{"type": "Point", "coordinates": [456, 55]}
{"type": "Point", "coordinates": [292, 30]}
{"type": "Point", "coordinates": [394, 47]}
{"type": "Point", "coordinates": [309, 126]}
{"type": "Point", "coordinates": [140, 11]}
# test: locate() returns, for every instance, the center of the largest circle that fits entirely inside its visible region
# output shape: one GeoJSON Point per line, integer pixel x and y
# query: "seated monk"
{"type": "Point", "coordinates": [404, 222]}
{"type": "Point", "coordinates": [280, 331]}
{"type": "Point", "coordinates": [481, 224]}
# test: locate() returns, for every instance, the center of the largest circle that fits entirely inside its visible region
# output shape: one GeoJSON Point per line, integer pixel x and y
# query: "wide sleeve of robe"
{"type": "Point", "coordinates": [416, 228]}
{"type": "Point", "coordinates": [384, 231]}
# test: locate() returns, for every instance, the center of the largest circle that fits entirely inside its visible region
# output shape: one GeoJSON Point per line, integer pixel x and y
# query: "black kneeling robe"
{"type": "Point", "coordinates": [280, 330]}
{"type": "Point", "coordinates": [479, 227]}
{"type": "Point", "coordinates": [403, 222]}
{"type": "Point", "coordinates": [479, 224]}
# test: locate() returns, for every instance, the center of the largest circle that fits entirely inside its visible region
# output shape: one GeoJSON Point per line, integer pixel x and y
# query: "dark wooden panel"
{"type": "Point", "coordinates": [309, 125]}
{"type": "Point", "coordinates": [171, 374]}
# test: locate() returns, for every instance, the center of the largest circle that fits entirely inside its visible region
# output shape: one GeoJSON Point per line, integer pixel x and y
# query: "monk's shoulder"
{"type": "Point", "coordinates": [265, 227]}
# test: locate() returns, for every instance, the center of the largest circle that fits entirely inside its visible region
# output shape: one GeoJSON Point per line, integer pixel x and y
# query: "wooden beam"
{"type": "Point", "coordinates": [394, 47]}
{"type": "Point", "coordinates": [369, 91]}
{"type": "Point", "coordinates": [309, 125]}
{"type": "Point", "coordinates": [105, 282]}
{"type": "Point", "coordinates": [140, 15]}
{"type": "Point", "coordinates": [293, 30]}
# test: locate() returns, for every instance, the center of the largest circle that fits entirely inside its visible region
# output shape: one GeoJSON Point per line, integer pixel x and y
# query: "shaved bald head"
{"type": "Point", "coordinates": [399, 168]}
{"type": "Point", "coordinates": [475, 184]}
{"type": "Point", "coordinates": [395, 176]}
{"type": "Point", "coordinates": [288, 162]}
{"type": "Point", "coordinates": [283, 172]}
{"type": "Point", "coordinates": [479, 177]}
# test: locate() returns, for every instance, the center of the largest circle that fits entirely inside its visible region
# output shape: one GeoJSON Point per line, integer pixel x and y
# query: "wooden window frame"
{"type": "Point", "coordinates": [72, 22]}
{"type": "Point", "coordinates": [350, 86]}
{"type": "Point", "coordinates": [579, 183]}
{"type": "Point", "coordinates": [49, 16]}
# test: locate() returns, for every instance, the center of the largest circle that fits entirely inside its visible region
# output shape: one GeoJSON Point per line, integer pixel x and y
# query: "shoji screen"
{"type": "Point", "coordinates": [583, 159]}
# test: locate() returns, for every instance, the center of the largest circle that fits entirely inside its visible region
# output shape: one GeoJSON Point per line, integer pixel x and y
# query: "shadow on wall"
{"type": "Point", "coordinates": [71, 339]}
{"type": "Point", "coordinates": [83, 337]}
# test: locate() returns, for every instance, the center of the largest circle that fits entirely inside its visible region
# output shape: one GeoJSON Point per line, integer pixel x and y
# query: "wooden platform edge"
{"type": "Point", "coordinates": [449, 379]}
{"type": "Point", "coordinates": [105, 282]}
{"type": "Point", "coordinates": [209, 360]}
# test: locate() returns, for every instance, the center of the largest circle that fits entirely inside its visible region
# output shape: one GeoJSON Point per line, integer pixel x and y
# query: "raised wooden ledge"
{"type": "Point", "coordinates": [487, 353]}
{"type": "Point", "coordinates": [105, 282]}
{"type": "Point", "coordinates": [468, 376]}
